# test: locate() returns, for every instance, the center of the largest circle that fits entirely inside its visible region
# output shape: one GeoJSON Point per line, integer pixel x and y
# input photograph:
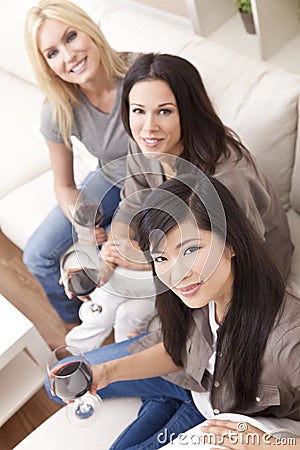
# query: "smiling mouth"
{"type": "Point", "coordinates": [151, 141]}
{"type": "Point", "coordinates": [190, 290]}
{"type": "Point", "coordinates": [79, 66]}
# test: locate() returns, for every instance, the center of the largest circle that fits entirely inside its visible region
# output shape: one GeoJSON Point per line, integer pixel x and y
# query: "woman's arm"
{"type": "Point", "coordinates": [61, 158]}
{"type": "Point", "coordinates": [152, 362]}
{"type": "Point", "coordinates": [230, 435]}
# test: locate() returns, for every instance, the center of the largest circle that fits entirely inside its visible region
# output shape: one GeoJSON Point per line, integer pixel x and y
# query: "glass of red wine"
{"type": "Point", "coordinates": [80, 274]}
{"type": "Point", "coordinates": [87, 211]}
{"type": "Point", "coordinates": [70, 377]}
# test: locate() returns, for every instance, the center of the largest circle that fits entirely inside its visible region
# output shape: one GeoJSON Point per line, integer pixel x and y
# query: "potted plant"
{"type": "Point", "coordinates": [245, 9]}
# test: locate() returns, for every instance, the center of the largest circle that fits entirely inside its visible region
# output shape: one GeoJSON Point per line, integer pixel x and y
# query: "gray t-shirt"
{"type": "Point", "coordinates": [102, 134]}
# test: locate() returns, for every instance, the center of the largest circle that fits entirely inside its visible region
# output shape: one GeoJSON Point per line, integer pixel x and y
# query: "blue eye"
{"type": "Point", "coordinates": [191, 250]}
{"type": "Point", "coordinates": [71, 36]}
{"type": "Point", "coordinates": [52, 53]}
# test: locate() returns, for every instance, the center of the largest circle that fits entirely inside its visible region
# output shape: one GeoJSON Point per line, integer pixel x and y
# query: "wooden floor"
{"type": "Point", "coordinates": [23, 291]}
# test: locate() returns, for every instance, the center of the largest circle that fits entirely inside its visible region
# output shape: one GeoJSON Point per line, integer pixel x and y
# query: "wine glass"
{"type": "Point", "coordinates": [70, 377]}
{"type": "Point", "coordinates": [87, 211]}
{"type": "Point", "coordinates": [80, 273]}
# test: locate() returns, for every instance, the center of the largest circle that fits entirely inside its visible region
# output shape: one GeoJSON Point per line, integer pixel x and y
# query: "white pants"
{"type": "Point", "coordinates": [128, 305]}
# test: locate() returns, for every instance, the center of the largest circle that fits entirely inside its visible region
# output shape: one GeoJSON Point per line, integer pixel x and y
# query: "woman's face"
{"type": "Point", "coordinates": [70, 53]}
{"type": "Point", "coordinates": [181, 262]}
{"type": "Point", "coordinates": [154, 118]}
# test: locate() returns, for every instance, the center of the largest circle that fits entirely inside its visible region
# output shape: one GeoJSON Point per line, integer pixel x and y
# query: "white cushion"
{"type": "Point", "coordinates": [294, 222]}
{"type": "Point", "coordinates": [128, 29]}
{"type": "Point", "coordinates": [295, 194]}
{"type": "Point", "coordinates": [23, 152]}
{"type": "Point", "coordinates": [35, 199]}
{"type": "Point", "coordinates": [22, 210]}
{"type": "Point", "coordinates": [258, 102]}
{"type": "Point", "coordinates": [13, 55]}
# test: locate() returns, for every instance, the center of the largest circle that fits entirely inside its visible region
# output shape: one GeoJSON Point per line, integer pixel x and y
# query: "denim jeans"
{"type": "Point", "coordinates": [167, 409]}
{"type": "Point", "coordinates": [54, 236]}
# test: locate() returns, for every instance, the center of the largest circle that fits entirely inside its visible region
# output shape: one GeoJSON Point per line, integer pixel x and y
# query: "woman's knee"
{"type": "Point", "coordinates": [48, 242]}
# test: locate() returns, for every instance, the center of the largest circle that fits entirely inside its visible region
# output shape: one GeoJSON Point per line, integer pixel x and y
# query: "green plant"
{"type": "Point", "coordinates": [244, 6]}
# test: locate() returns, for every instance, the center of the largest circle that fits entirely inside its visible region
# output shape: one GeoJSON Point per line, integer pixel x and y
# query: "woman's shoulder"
{"type": "Point", "coordinates": [286, 330]}
{"type": "Point", "coordinates": [290, 313]}
{"type": "Point", "coordinates": [47, 110]}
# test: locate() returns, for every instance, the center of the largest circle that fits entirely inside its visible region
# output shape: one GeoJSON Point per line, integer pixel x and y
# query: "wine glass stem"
{"type": "Point", "coordinates": [84, 409]}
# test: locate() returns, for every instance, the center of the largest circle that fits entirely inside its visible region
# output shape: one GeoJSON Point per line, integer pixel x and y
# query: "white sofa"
{"type": "Point", "coordinates": [260, 102]}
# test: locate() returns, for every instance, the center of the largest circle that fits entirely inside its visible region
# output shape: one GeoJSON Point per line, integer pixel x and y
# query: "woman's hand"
{"type": "Point", "coordinates": [124, 252]}
{"type": "Point", "coordinates": [106, 271]}
{"type": "Point", "coordinates": [101, 377]}
{"type": "Point", "coordinates": [88, 235]}
{"type": "Point", "coordinates": [63, 281]}
{"type": "Point", "coordinates": [237, 435]}
{"type": "Point", "coordinates": [100, 235]}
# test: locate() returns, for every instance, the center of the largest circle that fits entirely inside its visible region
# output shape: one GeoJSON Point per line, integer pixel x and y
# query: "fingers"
{"type": "Point", "coordinates": [85, 298]}
{"type": "Point", "coordinates": [111, 253]}
{"type": "Point", "coordinates": [100, 235]}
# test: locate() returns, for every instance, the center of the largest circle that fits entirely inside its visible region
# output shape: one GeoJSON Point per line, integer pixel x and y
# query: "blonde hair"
{"type": "Point", "coordinates": [59, 93]}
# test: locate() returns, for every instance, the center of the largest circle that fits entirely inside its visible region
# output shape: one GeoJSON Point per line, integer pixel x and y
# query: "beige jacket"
{"type": "Point", "coordinates": [279, 386]}
{"type": "Point", "coordinates": [252, 190]}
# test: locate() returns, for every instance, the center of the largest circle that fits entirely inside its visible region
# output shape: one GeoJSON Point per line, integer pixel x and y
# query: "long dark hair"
{"type": "Point", "coordinates": [258, 286]}
{"type": "Point", "coordinates": [205, 138]}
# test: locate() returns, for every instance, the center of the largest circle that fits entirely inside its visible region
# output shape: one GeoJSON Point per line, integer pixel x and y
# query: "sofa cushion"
{"type": "Point", "coordinates": [13, 56]}
{"type": "Point", "coordinates": [258, 102]}
{"type": "Point", "coordinates": [295, 194]}
{"type": "Point", "coordinates": [23, 209]}
{"type": "Point", "coordinates": [129, 29]}
{"type": "Point", "coordinates": [23, 152]}
{"type": "Point", "coordinates": [294, 222]}
{"type": "Point", "coordinates": [35, 199]}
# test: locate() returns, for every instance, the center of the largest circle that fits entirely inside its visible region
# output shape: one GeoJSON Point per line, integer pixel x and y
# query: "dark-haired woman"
{"type": "Point", "coordinates": [229, 341]}
{"type": "Point", "coordinates": [167, 113]}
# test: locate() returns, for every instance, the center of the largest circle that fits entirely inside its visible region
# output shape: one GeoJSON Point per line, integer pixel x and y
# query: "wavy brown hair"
{"type": "Point", "coordinates": [205, 138]}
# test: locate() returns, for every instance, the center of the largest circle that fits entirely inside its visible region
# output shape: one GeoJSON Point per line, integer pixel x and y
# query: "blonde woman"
{"type": "Point", "coordinates": [82, 78]}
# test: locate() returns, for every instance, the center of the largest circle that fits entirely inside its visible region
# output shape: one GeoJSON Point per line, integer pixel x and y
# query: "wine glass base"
{"type": "Point", "coordinates": [82, 413]}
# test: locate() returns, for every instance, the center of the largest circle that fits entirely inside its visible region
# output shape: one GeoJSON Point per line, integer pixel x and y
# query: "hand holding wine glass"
{"type": "Point", "coordinates": [70, 378]}
{"type": "Point", "coordinates": [87, 216]}
{"type": "Point", "coordinates": [80, 275]}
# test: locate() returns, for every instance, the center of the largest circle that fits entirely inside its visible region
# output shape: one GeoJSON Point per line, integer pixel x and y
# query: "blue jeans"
{"type": "Point", "coordinates": [167, 409]}
{"type": "Point", "coordinates": [54, 236]}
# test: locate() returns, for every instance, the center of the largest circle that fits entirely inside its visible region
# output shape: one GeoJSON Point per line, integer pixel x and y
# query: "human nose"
{"type": "Point", "coordinates": [150, 122]}
{"type": "Point", "coordinates": [68, 53]}
{"type": "Point", "coordinates": [175, 273]}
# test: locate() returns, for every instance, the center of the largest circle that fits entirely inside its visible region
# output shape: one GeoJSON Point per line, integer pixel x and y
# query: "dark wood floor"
{"type": "Point", "coordinates": [22, 290]}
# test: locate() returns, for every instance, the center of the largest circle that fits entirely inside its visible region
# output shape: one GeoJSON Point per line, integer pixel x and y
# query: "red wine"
{"type": "Point", "coordinates": [83, 281]}
{"type": "Point", "coordinates": [72, 380]}
{"type": "Point", "coordinates": [88, 215]}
